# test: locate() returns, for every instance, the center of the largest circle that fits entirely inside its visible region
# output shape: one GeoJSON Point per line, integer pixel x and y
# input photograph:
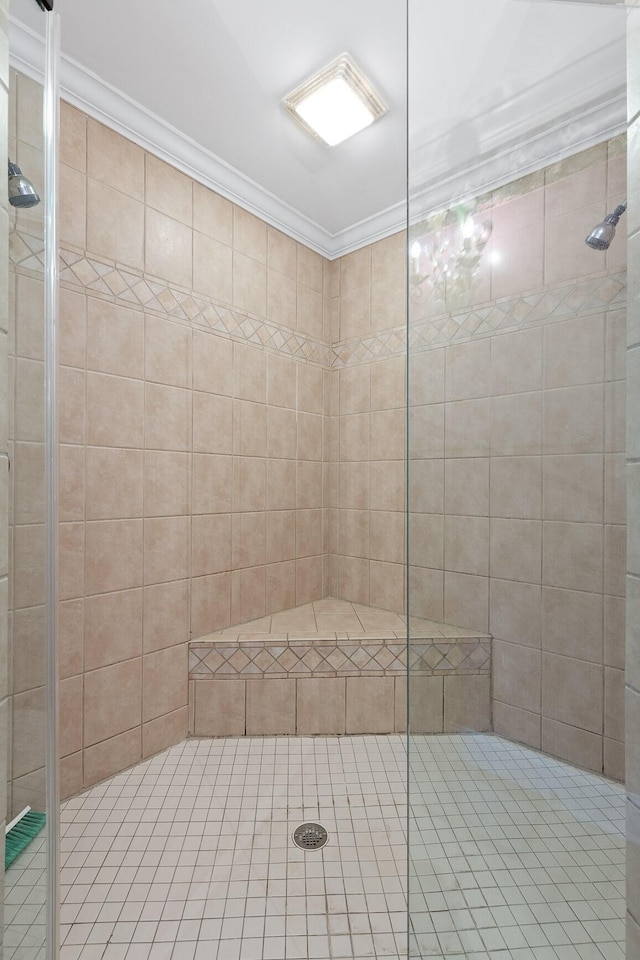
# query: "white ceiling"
{"type": "Point", "coordinates": [201, 82]}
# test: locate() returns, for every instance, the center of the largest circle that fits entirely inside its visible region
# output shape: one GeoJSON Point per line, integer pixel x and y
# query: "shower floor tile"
{"type": "Point", "coordinates": [189, 855]}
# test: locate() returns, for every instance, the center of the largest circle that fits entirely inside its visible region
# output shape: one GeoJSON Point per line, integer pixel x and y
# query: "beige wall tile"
{"type": "Point", "coordinates": [370, 705]}
{"type": "Point", "coordinates": [281, 381]}
{"type": "Point", "coordinates": [115, 225]}
{"type": "Point", "coordinates": [516, 362]}
{"type": "Point", "coordinates": [572, 744]}
{"type": "Point", "coordinates": [517, 672]}
{"type": "Point", "coordinates": [309, 584]}
{"type": "Point", "coordinates": [220, 708]}
{"type": "Point", "coordinates": [282, 253]}
{"type": "Point", "coordinates": [112, 698]}
{"type": "Point", "coordinates": [426, 377]}
{"type": "Point", "coordinates": [210, 604]}
{"type": "Point", "coordinates": [248, 539]}
{"type": "Point", "coordinates": [426, 486]}
{"type": "Point", "coordinates": [426, 436]}
{"type": "Point", "coordinates": [387, 537]}
{"type": "Point", "coordinates": [569, 261]}
{"type": "Point", "coordinates": [355, 270]}
{"type": "Point", "coordinates": [168, 352]}
{"type": "Point", "coordinates": [426, 704]}
{"type": "Point", "coordinates": [282, 435]}
{"type": "Point", "coordinates": [573, 488]}
{"type": "Point", "coordinates": [166, 549]}
{"type": "Point", "coordinates": [109, 757]}
{"type": "Point", "coordinates": [212, 268]}
{"type": "Point", "coordinates": [614, 631]}
{"type": "Point", "coordinates": [115, 339]}
{"type": "Point", "coordinates": [572, 623]}
{"type": "Point", "coordinates": [168, 190]}
{"type": "Point", "coordinates": [615, 418]}
{"type": "Point", "coordinates": [29, 402]}
{"type": "Point", "coordinates": [615, 488]}
{"type": "Point", "coordinates": [70, 638]}
{"type": "Point", "coordinates": [466, 428]}
{"type": "Point", "coordinates": [105, 396]}
{"type": "Point", "coordinates": [516, 550]}
{"type": "Point", "coordinates": [518, 261]}
{"type": "Point", "coordinates": [71, 563]}
{"type": "Point", "coordinates": [249, 373]}
{"type": "Point", "coordinates": [72, 207]}
{"type": "Point", "coordinates": [572, 556]}
{"type": "Point", "coordinates": [168, 249]}
{"type": "Point", "coordinates": [114, 160]}
{"type": "Point", "coordinates": [164, 732]}
{"type": "Point", "coordinates": [516, 425]}
{"type": "Point", "coordinates": [467, 487]}
{"type": "Point", "coordinates": [164, 682]}
{"type": "Point", "coordinates": [113, 555]}
{"type": "Point", "coordinates": [320, 706]}
{"type": "Point", "coordinates": [72, 327]}
{"type": "Point", "coordinates": [572, 691]}
{"type": "Point", "coordinates": [426, 593]}
{"type": "Point", "coordinates": [515, 612]}
{"type": "Point", "coordinates": [211, 544]}
{"type": "Point", "coordinates": [114, 483]}
{"type": "Point", "coordinates": [212, 363]}
{"type": "Point", "coordinates": [466, 601]}
{"type": "Point", "coordinates": [467, 370]}
{"type": "Point", "coordinates": [615, 560]}
{"type": "Point", "coordinates": [249, 285]}
{"type": "Point", "coordinates": [70, 775]}
{"type": "Point", "coordinates": [73, 136]}
{"type": "Point", "coordinates": [212, 214]}
{"type": "Point", "coordinates": [248, 594]}
{"type": "Point", "coordinates": [573, 420]}
{"type": "Point", "coordinates": [355, 313]}
{"type": "Point", "coordinates": [386, 478]}
{"type": "Point", "coordinates": [112, 628]}
{"type": "Point", "coordinates": [249, 235]}
{"type": "Point", "coordinates": [167, 484]}
{"type": "Point", "coordinates": [574, 352]}
{"type": "Point", "coordinates": [516, 487]}
{"type": "Point", "coordinates": [280, 586]}
{"type": "Point", "coordinates": [388, 384]}
{"type": "Point", "coordinates": [466, 545]}
{"type": "Point", "coordinates": [517, 724]}
{"type": "Point", "coordinates": [166, 615]}
{"type": "Point", "coordinates": [212, 423]}
{"type": "Point", "coordinates": [467, 704]}
{"type": "Point", "coordinates": [271, 707]}
{"type": "Point", "coordinates": [614, 703]}
{"type": "Point", "coordinates": [386, 584]}
{"type": "Point", "coordinates": [387, 435]}
{"type": "Point", "coordinates": [353, 579]}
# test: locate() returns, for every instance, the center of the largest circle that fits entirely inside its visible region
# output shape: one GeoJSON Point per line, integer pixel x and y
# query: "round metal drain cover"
{"type": "Point", "coordinates": [310, 836]}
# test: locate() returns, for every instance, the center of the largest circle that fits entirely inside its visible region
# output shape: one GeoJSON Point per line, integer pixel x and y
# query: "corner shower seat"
{"type": "Point", "coordinates": [335, 667]}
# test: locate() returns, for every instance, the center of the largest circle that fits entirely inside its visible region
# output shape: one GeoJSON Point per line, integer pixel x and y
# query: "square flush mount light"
{"type": "Point", "coordinates": [336, 102]}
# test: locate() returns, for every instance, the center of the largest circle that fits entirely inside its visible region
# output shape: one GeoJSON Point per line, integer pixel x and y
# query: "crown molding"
{"type": "Point", "coordinates": [531, 137]}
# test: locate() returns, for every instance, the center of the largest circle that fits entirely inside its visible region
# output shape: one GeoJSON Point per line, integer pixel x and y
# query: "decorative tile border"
{"type": "Point", "coordinates": [337, 657]}
{"type": "Point", "coordinates": [548, 305]}
{"type": "Point", "coordinates": [125, 286]}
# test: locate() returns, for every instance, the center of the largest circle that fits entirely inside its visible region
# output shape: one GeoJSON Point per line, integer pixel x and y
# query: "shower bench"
{"type": "Point", "coordinates": [242, 682]}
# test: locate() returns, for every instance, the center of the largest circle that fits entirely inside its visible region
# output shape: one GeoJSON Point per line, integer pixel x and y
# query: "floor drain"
{"type": "Point", "coordinates": [310, 836]}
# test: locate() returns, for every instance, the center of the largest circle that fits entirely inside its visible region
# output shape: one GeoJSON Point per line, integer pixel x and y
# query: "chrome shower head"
{"type": "Point", "coordinates": [601, 236]}
{"type": "Point", "coordinates": [22, 192]}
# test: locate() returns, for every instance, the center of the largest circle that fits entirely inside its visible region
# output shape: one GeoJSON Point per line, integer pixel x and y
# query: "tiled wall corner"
{"type": "Point", "coordinates": [632, 756]}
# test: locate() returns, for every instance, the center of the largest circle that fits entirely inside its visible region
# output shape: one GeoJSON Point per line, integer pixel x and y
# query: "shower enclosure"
{"type": "Point", "coordinates": [513, 563]}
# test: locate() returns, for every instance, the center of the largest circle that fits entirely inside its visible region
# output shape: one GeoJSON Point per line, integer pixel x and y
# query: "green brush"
{"type": "Point", "coordinates": [20, 832]}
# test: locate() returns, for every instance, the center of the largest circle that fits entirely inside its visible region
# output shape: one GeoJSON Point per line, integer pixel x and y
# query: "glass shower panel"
{"type": "Point", "coordinates": [516, 516]}
{"type": "Point", "coordinates": [30, 889]}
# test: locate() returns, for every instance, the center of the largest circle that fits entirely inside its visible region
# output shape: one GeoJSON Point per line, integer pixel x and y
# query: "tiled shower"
{"type": "Point", "coordinates": [233, 496]}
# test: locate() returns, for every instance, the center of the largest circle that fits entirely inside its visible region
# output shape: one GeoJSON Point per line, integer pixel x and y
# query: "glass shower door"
{"type": "Point", "coordinates": [516, 458]}
{"type": "Point", "coordinates": [30, 882]}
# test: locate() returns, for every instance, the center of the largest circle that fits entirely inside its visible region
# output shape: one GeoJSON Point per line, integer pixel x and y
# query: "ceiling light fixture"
{"type": "Point", "coordinates": [336, 102]}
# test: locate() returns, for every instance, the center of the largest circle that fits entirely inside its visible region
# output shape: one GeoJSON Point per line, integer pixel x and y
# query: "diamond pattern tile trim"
{"type": "Point", "coordinates": [293, 657]}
